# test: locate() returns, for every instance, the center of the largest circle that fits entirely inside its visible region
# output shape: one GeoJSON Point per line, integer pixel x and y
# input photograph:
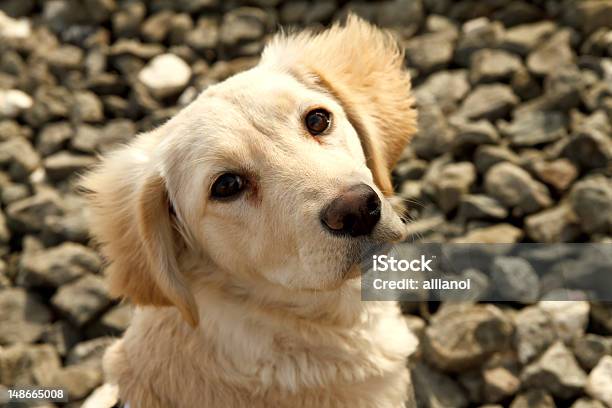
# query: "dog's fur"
{"type": "Point", "coordinates": [251, 302]}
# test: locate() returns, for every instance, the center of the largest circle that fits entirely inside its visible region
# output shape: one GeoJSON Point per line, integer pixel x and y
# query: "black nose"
{"type": "Point", "coordinates": [355, 212]}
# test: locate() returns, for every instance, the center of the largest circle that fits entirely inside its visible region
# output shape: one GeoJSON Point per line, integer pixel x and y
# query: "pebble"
{"type": "Point", "coordinates": [534, 128]}
{"type": "Point", "coordinates": [599, 384]}
{"type": "Point", "coordinates": [493, 66]}
{"type": "Point", "coordinates": [13, 102]}
{"type": "Point", "coordinates": [58, 265]}
{"type": "Point", "coordinates": [462, 337]}
{"type": "Point", "coordinates": [556, 371]}
{"type": "Point", "coordinates": [534, 333]}
{"type": "Point", "coordinates": [515, 279]}
{"type": "Point", "coordinates": [165, 75]}
{"type": "Point", "coordinates": [22, 317]}
{"type": "Point", "coordinates": [82, 300]}
{"type": "Point", "coordinates": [491, 101]}
{"type": "Point", "coordinates": [434, 389]}
{"type": "Point", "coordinates": [516, 189]}
{"type": "Point", "coordinates": [591, 200]}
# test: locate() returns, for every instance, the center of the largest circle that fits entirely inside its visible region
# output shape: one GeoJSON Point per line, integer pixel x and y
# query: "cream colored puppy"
{"type": "Point", "coordinates": [238, 225]}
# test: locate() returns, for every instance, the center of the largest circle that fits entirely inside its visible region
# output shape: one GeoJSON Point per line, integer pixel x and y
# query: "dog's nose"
{"type": "Point", "coordinates": [355, 212]}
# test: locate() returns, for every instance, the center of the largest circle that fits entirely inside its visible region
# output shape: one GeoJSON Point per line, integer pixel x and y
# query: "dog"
{"type": "Point", "coordinates": [237, 228]}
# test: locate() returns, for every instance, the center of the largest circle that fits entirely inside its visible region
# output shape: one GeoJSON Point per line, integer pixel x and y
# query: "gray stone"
{"type": "Point", "coordinates": [599, 385]}
{"type": "Point", "coordinates": [470, 135]}
{"type": "Point", "coordinates": [180, 27]}
{"type": "Point", "coordinates": [491, 102]}
{"type": "Point", "coordinates": [475, 35]}
{"type": "Point", "coordinates": [496, 234]}
{"type": "Point", "coordinates": [85, 139]}
{"type": "Point", "coordinates": [556, 224]}
{"type": "Point", "coordinates": [430, 52]}
{"type": "Point", "coordinates": [434, 136]}
{"type": "Point", "coordinates": [320, 11]}
{"type": "Point", "coordinates": [205, 36]}
{"type": "Point", "coordinates": [445, 89]}
{"type": "Point", "coordinates": [534, 333]}
{"type": "Point", "coordinates": [493, 66]}
{"type": "Point", "coordinates": [412, 169]}
{"type": "Point", "coordinates": [64, 58]}
{"type": "Point", "coordinates": [534, 128]}
{"type": "Point", "coordinates": [22, 316]}
{"type": "Point", "coordinates": [570, 318]}
{"type": "Point", "coordinates": [589, 148]}
{"type": "Point", "coordinates": [525, 85]}
{"type": "Point", "coordinates": [243, 24]}
{"type": "Point", "coordinates": [587, 403]}
{"type": "Point", "coordinates": [591, 200]}
{"type": "Point", "coordinates": [404, 15]}
{"type": "Point", "coordinates": [556, 371]}
{"type": "Point", "coordinates": [72, 226]}
{"type": "Point", "coordinates": [57, 266]}
{"type": "Point", "coordinates": [28, 215]}
{"type": "Point", "coordinates": [53, 137]}
{"type": "Point", "coordinates": [87, 107]}
{"type": "Point", "coordinates": [590, 349]}
{"type": "Point", "coordinates": [5, 233]}
{"type": "Point", "coordinates": [533, 399]}
{"type": "Point", "coordinates": [29, 364]}
{"type": "Point", "coordinates": [436, 390]}
{"type": "Point", "coordinates": [64, 164]}
{"type": "Point", "coordinates": [499, 383]}
{"type": "Point", "coordinates": [156, 27]}
{"type": "Point", "coordinates": [454, 181]}
{"type": "Point", "coordinates": [460, 337]}
{"type": "Point", "coordinates": [112, 323]}
{"type": "Point", "coordinates": [126, 21]}
{"type": "Point", "coordinates": [588, 15]}
{"type": "Point", "coordinates": [89, 352]}
{"type": "Point", "coordinates": [78, 380]}
{"type": "Point", "coordinates": [17, 154]}
{"type": "Point", "coordinates": [13, 192]}
{"type": "Point", "coordinates": [515, 279]}
{"type": "Point", "coordinates": [165, 75]}
{"type": "Point", "coordinates": [486, 157]}
{"type": "Point", "coordinates": [515, 188]}
{"type": "Point", "coordinates": [50, 103]}
{"type": "Point", "coordinates": [559, 173]}
{"type": "Point", "coordinates": [82, 300]}
{"type": "Point", "coordinates": [62, 335]}
{"type": "Point", "coordinates": [525, 38]}
{"type": "Point", "coordinates": [13, 102]}
{"type": "Point", "coordinates": [125, 47]}
{"type": "Point", "coordinates": [552, 54]}
{"type": "Point", "coordinates": [480, 207]}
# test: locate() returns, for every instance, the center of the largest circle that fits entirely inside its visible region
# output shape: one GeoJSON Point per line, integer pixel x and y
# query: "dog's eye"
{"type": "Point", "coordinates": [317, 121]}
{"type": "Point", "coordinates": [227, 185]}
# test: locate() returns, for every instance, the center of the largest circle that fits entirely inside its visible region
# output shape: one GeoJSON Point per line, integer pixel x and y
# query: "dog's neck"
{"type": "Point", "coordinates": [340, 306]}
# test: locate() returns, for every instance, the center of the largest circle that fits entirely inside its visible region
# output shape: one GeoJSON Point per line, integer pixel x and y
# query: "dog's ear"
{"type": "Point", "coordinates": [131, 218]}
{"type": "Point", "coordinates": [363, 68]}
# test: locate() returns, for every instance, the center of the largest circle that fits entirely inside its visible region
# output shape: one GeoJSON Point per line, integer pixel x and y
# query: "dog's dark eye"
{"type": "Point", "coordinates": [317, 121]}
{"type": "Point", "coordinates": [227, 185]}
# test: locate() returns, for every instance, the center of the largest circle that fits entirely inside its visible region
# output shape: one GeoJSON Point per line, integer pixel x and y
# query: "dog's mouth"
{"type": "Point", "coordinates": [361, 260]}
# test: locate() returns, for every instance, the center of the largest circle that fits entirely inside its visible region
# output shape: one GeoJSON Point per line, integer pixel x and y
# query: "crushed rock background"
{"type": "Point", "coordinates": [515, 145]}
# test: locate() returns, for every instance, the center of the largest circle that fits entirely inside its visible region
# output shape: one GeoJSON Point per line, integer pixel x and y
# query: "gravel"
{"type": "Point", "coordinates": [514, 145]}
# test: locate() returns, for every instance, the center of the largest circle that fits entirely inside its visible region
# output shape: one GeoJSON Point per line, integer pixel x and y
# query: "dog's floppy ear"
{"type": "Point", "coordinates": [132, 219]}
{"type": "Point", "coordinates": [363, 68]}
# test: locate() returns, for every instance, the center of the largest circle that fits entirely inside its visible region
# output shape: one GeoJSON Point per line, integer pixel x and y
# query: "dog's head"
{"type": "Point", "coordinates": [280, 173]}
